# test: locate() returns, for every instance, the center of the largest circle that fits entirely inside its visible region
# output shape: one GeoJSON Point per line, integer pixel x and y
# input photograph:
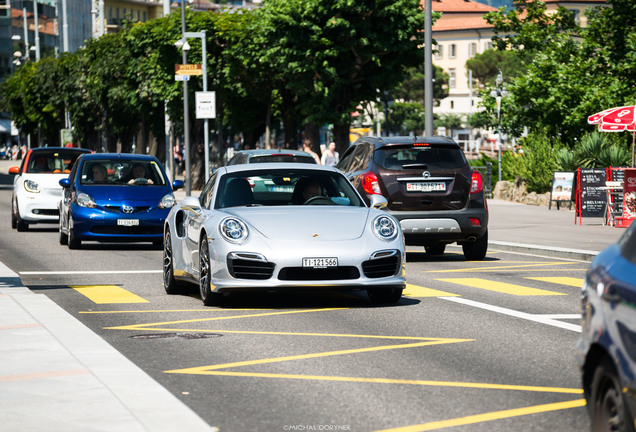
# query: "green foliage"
{"type": "Point", "coordinates": [299, 61]}
{"type": "Point", "coordinates": [565, 160]}
{"type": "Point", "coordinates": [485, 66]}
{"type": "Point", "coordinates": [588, 151]}
{"type": "Point", "coordinates": [412, 88]}
{"type": "Point", "coordinates": [406, 117]}
{"type": "Point", "coordinates": [449, 121]}
{"type": "Point", "coordinates": [535, 165]}
{"type": "Point", "coordinates": [575, 72]}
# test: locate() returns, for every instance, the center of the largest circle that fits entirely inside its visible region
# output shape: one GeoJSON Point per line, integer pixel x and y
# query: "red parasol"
{"type": "Point", "coordinates": [616, 120]}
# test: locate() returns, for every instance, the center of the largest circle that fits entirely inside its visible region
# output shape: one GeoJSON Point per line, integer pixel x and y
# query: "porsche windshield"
{"type": "Point", "coordinates": [285, 187]}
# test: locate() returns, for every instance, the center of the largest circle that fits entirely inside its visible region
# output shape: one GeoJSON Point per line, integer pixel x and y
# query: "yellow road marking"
{"type": "Point", "coordinates": [105, 294]}
{"type": "Point", "coordinates": [204, 369]}
{"type": "Point", "coordinates": [418, 291]}
{"type": "Point", "coordinates": [569, 281]}
{"type": "Point", "coordinates": [164, 311]}
{"type": "Point", "coordinates": [427, 383]}
{"type": "Point", "coordinates": [501, 287]}
{"type": "Point", "coordinates": [497, 415]}
{"type": "Point", "coordinates": [497, 268]}
{"type": "Point", "coordinates": [142, 326]}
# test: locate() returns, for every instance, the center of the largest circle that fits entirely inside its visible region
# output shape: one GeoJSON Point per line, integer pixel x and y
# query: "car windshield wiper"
{"type": "Point", "coordinates": [415, 165]}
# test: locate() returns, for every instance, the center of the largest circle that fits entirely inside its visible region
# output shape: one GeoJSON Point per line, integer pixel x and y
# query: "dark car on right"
{"type": "Point", "coordinates": [430, 188]}
{"type": "Point", "coordinates": [606, 350]}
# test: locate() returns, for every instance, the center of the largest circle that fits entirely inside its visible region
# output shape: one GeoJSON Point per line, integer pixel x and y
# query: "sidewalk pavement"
{"type": "Point", "coordinates": [57, 375]}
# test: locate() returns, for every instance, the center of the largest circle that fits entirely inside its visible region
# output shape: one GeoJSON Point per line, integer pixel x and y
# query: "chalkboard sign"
{"type": "Point", "coordinates": [592, 199]}
{"type": "Point", "coordinates": [618, 174]}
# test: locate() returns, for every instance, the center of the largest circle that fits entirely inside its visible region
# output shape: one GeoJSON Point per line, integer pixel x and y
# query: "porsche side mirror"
{"type": "Point", "coordinates": [378, 201]}
{"type": "Point", "coordinates": [190, 201]}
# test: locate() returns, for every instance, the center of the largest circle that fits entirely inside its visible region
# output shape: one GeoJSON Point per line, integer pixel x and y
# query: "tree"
{"type": "Point", "coordinates": [406, 117]}
{"type": "Point", "coordinates": [449, 121]}
{"type": "Point", "coordinates": [327, 57]}
{"type": "Point", "coordinates": [485, 66]}
{"type": "Point", "coordinates": [412, 88]}
{"type": "Point", "coordinates": [575, 71]}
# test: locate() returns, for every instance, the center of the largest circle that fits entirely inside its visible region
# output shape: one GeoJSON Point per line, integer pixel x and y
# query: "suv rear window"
{"type": "Point", "coordinates": [282, 158]}
{"type": "Point", "coordinates": [424, 157]}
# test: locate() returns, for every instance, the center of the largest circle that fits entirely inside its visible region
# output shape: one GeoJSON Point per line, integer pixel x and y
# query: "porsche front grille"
{"type": "Point", "coordinates": [382, 267]}
{"type": "Point", "coordinates": [250, 269]}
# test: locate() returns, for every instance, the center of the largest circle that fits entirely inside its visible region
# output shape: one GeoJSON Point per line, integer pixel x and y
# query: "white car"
{"type": "Point", "coordinates": [304, 227]}
{"type": "Point", "coordinates": [36, 188]}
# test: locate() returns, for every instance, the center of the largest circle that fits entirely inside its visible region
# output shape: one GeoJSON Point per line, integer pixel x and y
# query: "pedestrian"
{"type": "Point", "coordinates": [330, 157]}
{"type": "Point", "coordinates": [307, 149]}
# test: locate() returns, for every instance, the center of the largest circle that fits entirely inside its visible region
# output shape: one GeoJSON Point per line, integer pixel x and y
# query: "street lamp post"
{"type": "Point", "coordinates": [204, 70]}
{"type": "Point", "coordinates": [498, 93]}
{"type": "Point", "coordinates": [186, 121]}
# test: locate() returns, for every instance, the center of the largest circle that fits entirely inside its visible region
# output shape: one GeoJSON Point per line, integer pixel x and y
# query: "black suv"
{"type": "Point", "coordinates": [430, 187]}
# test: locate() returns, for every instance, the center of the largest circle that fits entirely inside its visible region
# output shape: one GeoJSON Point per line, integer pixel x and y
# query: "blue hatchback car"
{"type": "Point", "coordinates": [112, 197]}
{"type": "Point", "coordinates": [606, 351]}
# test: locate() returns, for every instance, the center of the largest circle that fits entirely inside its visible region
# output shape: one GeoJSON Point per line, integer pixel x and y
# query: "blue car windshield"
{"type": "Point", "coordinates": [286, 187]}
{"type": "Point", "coordinates": [122, 172]}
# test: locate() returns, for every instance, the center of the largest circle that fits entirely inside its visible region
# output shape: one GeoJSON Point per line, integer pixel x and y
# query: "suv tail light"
{"type": "Point", "coordinates": [370, 183]}
{"type": "Point", "coordinates": [476, 184]}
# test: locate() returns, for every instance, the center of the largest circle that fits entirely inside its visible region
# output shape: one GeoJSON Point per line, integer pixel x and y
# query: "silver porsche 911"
{"type": "Point", "coordinates": [277, 226]}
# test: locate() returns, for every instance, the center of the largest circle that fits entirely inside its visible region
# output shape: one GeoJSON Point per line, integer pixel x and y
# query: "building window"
{"type": "Point", "coordinates": [439, 52]}
{"type": "Point", "coordinates": [452, 51]}
{"type": "Point", "coordinates": [451, 78]}
{"type": "Point", "coordinates": [488, 45]}
{"type": "Point", "coordinates": [5, 7]}
{"type": "Point", "coordinates": [576, 15]}
{"type": "Point", "coordinates": [472, 49]}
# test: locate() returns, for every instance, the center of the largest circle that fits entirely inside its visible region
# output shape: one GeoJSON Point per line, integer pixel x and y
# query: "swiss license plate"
{"type": "Point", "coordinates": [320, 262]}
{"type": "Point", "coordinates": [128, 222]}
{"type": "Point", "coordinates": [426, 187]}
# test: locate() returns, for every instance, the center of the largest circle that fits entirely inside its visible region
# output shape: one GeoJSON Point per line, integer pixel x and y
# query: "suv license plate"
{"type": "Point", "coordinates": [426, 187]}
{"type": "Point", "coordinates": [320, 262]}
{"type": "Point", "coordinates": [128, 222]}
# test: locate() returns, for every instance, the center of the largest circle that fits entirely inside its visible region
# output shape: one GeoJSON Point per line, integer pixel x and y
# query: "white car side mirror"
{"type": "Point", "coordinates": [190, 201]}
{"type": "Point", "coordinates": [378, 202]}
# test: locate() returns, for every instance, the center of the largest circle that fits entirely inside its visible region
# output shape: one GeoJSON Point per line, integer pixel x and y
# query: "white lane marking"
{"type": "Point", "coordinates": [89, 272]}
{"type": "Point", "coordinates": [543, 319]}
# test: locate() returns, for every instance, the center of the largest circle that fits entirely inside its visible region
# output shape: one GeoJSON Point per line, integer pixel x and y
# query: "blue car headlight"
{"type": "Point", "coordinates": [167, 201]}
{"type": "Point", "coordinates": [31, 186]}
{"type": "Point", "coordinates": [85, 200]}
{"type": "Point", "coordinates": [233, 230]}
{"type": "Point", "coordinates": [385, 227]}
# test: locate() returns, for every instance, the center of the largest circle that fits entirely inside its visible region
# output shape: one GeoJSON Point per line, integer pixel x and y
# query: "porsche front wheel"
{"type": "Point", "coordinates": [209, 298]}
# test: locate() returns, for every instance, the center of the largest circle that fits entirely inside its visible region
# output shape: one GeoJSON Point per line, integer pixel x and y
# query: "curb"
{"type": "Point", "coordinates": [551, 251]}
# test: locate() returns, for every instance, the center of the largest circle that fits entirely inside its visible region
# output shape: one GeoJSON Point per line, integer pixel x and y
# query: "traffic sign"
{"type": "Point", "coordinates": [182, 77]}
{"type": "Point", "coordinates": [206, 104]}
{"type": "Point", "coordinates": [188, 69]}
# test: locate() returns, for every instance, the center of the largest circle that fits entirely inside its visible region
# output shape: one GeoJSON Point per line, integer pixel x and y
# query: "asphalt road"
{"type": "Point", "coordinates": [480, 346]}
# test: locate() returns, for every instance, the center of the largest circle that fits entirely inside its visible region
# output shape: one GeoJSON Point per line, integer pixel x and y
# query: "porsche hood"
{"type": "Point", "coordinates": [305, 222]}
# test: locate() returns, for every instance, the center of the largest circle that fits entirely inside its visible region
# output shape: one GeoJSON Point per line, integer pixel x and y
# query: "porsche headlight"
{"type": "Point", "coordinates": [85, 200]}
{"type": "Point", "coordinates": [31, 186]}
{"type": "Point", "coordinates": [167, 201]}
{"type": "Point", "coordinates": [233, 230]}
{"type": "Point", "coordinates": [385, 227]}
